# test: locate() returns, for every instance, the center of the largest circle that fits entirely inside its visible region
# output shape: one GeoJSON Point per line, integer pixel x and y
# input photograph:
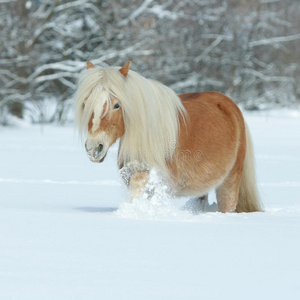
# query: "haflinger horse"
{"type": "Point", "coordinates": [196, 141]}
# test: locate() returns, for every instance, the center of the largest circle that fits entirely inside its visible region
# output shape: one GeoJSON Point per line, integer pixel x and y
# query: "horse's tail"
{"type": "Point", "coordinates": [249, 200]}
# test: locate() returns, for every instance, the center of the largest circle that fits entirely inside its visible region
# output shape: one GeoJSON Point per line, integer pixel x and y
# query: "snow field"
{"type": "Point", "coordinates": [68, 232]}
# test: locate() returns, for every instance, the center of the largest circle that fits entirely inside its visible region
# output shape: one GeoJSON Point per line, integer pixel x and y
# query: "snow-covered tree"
{"type": "Point", "coordinates": [246, 49]}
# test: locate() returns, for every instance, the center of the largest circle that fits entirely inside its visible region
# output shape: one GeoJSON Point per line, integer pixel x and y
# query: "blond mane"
{"type": "Point", "coordinates": [150, 109]}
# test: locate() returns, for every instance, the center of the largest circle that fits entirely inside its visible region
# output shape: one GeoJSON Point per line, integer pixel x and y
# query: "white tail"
{"type": "Point", "coordinates": [249, 200]}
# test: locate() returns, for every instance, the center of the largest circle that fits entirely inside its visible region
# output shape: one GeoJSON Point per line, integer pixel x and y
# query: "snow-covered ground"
{"type": "Point", "coordinates": [66, 231]}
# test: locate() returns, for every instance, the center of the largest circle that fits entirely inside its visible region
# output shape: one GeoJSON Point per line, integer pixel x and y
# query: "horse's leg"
{"type": "Point", "coordinates": [228, 192]}
{"type": "Point", "coordinates": [203, 200]}
{"type": "Point", "coordinates": [137, 184]}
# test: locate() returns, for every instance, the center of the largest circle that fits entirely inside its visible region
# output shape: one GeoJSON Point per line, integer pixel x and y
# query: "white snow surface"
{"type": "Point", "coordinates": [67, 230]}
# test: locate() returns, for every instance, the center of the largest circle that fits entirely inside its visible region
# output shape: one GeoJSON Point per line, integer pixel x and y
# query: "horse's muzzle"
{"type": "Point", "coordinates": [95, 154]}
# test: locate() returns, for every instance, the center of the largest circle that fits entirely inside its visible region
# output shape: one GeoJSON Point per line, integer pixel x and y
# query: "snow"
{"type": "Point", "coordinates": [68, 232]}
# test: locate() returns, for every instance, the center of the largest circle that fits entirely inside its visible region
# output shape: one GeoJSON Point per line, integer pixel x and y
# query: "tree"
{"type": "Point", "coordinates": [241, 48]}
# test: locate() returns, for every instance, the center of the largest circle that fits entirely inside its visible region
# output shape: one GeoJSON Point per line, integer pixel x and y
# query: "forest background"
{"type": "Point", "coordinates": [247, 49]}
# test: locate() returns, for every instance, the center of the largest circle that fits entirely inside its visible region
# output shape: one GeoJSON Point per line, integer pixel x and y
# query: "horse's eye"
{"type": "Point", "coordinates": [116, 106]}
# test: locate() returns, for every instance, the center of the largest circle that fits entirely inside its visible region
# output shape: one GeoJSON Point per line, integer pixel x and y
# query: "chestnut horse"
{"type": "Point", "coordinates": [196, 141]}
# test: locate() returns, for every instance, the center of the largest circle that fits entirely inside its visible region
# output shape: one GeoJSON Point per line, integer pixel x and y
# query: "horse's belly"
{"type": "Point", "coordinates": [197, 178]}
{"type": "Point", "coordinates": [196, 185]}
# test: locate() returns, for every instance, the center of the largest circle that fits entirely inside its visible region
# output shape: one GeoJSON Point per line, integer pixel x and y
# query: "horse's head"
{"type": "Point", "coordinates": [114, 103]}
{"type": "Point", "coordinates": [103, 131]}
{"type": "Point", "coordinates": [105, 126]}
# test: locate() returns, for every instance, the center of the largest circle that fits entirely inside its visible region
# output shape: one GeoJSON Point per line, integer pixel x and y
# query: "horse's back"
{"type": "Point", "coordinates": [212, 116]}
{"type": "Point", "coordinates": [213, 103]}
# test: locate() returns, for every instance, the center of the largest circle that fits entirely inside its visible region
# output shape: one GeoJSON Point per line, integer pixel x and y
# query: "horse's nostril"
{"type": "Point", "coordinates": [94, 152]}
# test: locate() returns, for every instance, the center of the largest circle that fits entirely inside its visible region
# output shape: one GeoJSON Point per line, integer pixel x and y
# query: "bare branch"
{"type": "Point", "coordinates": [72, 4]}
{"type": "Point", "coordinates": [55, 76]}
{"type": "Point", "coordinates": [214, 44]}
{"type": "Point", "coordinates": [264, 77]}
{"type": "Point", "coordinates": [280, 39]}
{"type": "Point", "coordinates": [136, 13]}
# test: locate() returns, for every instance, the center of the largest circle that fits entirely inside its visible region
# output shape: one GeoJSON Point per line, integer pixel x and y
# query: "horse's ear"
{"type": "Point", "coordinates": [89, 65]}
{"type": "Point", "coordinates": [124, 70]}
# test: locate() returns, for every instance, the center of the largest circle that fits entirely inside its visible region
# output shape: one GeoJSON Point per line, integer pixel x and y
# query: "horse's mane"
{"type": "Point", "coordinates": [150, 109]}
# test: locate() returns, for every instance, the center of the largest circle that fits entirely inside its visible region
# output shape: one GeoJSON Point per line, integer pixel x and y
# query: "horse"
{"type": "Point", "coordinates": [196, 141]}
